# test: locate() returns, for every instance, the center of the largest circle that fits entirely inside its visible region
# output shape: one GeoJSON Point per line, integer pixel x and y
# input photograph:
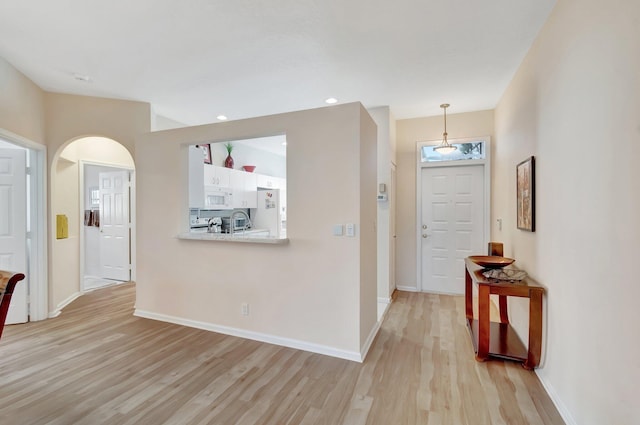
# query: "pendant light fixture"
{"type": "Point", "coordinates": [445, 147]}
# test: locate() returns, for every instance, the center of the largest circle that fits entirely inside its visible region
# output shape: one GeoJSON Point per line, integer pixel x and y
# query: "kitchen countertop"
{"type": "Point", "coordinates": [248, 236]}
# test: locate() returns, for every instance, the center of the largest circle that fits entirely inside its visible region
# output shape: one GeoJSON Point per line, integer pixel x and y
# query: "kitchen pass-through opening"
{"type": "Point", "coordinates": [239, 188]}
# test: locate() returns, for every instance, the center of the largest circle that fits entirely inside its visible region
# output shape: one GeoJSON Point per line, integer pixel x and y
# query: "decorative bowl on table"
{"type": "Point", "coordinates": [491, 261]}
{"type": "Point", "coordinates": [249, 168]}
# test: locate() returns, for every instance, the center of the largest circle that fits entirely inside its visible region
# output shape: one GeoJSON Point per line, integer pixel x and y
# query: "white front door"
{"type": "Point", "coordinates": [13, 227]}
{"type": "Point", "coordinates": [452, 224]}
{"type": "Point", "coordinates": [115, 225]}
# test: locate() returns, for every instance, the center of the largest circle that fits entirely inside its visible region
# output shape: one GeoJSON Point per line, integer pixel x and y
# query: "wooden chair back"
{"type": "Point", "coordinates": [8, 281]}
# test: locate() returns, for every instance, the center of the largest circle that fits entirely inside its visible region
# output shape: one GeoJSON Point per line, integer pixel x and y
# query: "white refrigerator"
{"type": "Point", "coordinates": [267, 214]}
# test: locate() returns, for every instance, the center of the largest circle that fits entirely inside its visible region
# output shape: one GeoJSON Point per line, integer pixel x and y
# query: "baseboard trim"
{"type": "Point", "coordinates": [443, 293]}
{"type": "Point", "coordinates": [562, 409]}
{"type": "Point", "coordinates": [407, 288]}
{"type": "Point", "coordinates": [387, 304]}
{"type": "Point", "coordinates": [372, 336]}
{"type": "Point", "coordinates": [63, 304]}
{"type": "Point", "coordinates": [255, 336]}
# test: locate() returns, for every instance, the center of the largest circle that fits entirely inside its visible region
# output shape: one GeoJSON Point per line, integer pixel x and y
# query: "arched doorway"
{"type": "Point", "coordinates": [76, 255]}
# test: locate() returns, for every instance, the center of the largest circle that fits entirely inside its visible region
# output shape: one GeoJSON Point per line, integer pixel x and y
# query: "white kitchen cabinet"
{"type": "Point", "coordinates": [251, 198]}
{"type": "Point", "coordinates": [243, 185]}
{"type": "Point", "coordinates": [209, 174]}
{"type": "Point", "coordinates": [236, 184]}
{"type": "Point", "coordinates": [250, 182]}
{"type": "Point", "coordinates": [280, 183]}
{"type": "Point", "coordinates": [250, 188]}
{"type": "Point", "coordinates": [217, 176]}
{"type": "Point", "coordinates": [266, 182]}
{"type": "Point", "coordinates": [222, 176]}
{"type": "Point", "coordinates": [236, 179]}
{"type": "Point", "coordinates": [245, 200]}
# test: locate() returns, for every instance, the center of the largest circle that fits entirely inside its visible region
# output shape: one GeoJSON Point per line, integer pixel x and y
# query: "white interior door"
{"type": "Point", "coordinates": [452, 224]}
{"type": "Point", "coordinates": [115, 225]}
{"type": "Point", "coordinates": [13, 227]}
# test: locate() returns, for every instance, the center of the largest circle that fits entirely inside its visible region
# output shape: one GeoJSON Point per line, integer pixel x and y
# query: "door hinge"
{"type": "Point", "coordinates": [27, 170]}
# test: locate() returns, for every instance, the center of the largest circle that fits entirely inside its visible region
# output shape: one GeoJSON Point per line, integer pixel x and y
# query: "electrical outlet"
{"type": "Point", "coordinates": [245, 309]}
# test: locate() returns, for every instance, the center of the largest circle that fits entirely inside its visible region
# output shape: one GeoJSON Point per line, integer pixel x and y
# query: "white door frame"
{"type": "Point", "coordinates": [37, 237]}
{"type": "Point", "coordinates": [486, 165]}
{"type": "Point", "coordinates": [132, 213]}
{"type": "Point", "coordinates": [15, 219]}
{"type": "Point", "coordinates": [393, 227]}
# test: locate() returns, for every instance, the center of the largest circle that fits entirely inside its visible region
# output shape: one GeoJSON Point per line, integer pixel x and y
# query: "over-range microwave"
{"type": "Point", "coordinates": [218, 198]}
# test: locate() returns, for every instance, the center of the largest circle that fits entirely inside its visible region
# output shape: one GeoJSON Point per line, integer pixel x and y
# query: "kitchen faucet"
{"type": "Point", "coordinates": [241, 212]}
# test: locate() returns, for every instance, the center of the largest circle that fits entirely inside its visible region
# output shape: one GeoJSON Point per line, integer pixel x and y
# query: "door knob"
{"type": "Point", "coordinates": [424, 226]}
{"type": "Point", "coordinates": [424, 235]}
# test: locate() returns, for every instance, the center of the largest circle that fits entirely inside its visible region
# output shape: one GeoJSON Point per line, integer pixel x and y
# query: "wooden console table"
{"type": "Point", "coordinates": [499, 339]}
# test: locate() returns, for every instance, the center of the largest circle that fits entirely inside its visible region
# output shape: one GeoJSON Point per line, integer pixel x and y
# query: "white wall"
{"type": "Point", "coordinates": [367, 229]}
{"type": "Point", "coordinates": [67, 118]}
{"type": "Point", "coordinates": [54, 120]}
{"type": "Point", "coordinates": [99, 150]}
{"type": "Point", "coordinates": [21, 104]}
{"type": "Point", "coordinates": [574, 104]}
{"type": "Point", "coordinates": [267, 163]}
{"type": "Point", "coordinates": [66, 275]}
{"type": "Point", "coordinates": [386, 157]}
{"type": "Point", "coordinates": [319, 290]}
{"type": "Point", "coordinates": [409, 133]}
{"type": "Point", "coordinates": [159, 122]}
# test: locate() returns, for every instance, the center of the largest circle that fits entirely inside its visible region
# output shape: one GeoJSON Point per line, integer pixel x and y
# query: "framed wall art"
{"type": "Point", "coordinates": [206, 152]}
{"type": "Point", "coordinates": [526, 196]}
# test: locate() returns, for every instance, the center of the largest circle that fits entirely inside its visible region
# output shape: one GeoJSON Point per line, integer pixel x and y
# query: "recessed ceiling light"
{"type": "Point", "coordinates": [222, 117]}
{"type": "Point", "coordinates": [331, 100]}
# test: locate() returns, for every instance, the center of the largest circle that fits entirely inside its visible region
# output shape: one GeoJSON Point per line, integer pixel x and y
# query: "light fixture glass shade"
{"type": "Point", "coordinates": [445, 147]}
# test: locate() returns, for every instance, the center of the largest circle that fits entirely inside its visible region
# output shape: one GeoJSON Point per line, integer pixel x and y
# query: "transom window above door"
{"type": "Point", "coordinates": [470, 150]}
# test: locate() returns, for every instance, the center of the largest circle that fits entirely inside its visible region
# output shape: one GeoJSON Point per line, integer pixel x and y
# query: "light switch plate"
{"type": "Point", "coordinates": [338, 230]}
{"type": "Point", "coordinates": [351, 229]}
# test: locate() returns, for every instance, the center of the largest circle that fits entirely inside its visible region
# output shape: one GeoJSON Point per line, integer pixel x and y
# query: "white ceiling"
{"type": "Point", "coordinates": [196, 59]}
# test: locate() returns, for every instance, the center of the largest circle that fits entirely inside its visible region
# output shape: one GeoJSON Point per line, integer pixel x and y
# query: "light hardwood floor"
{"type": "Point", "coordinates": [98, 364]}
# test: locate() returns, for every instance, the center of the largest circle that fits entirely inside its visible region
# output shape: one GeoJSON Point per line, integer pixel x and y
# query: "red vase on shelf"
{"type": "Point", "coordinates": [228, 162]}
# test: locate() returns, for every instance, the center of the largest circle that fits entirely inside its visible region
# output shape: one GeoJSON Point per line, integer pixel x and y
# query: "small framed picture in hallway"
{"type": "Point", "coordinates": [525, 184]}
{"type": "Point", "coordinates": [206, 152]}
